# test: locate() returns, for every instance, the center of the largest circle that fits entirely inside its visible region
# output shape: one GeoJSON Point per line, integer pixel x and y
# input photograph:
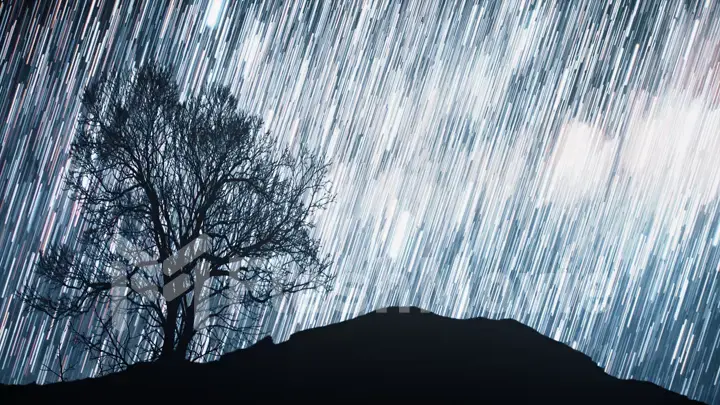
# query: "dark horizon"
{"type": "Point", "coordinates": [398, 353]}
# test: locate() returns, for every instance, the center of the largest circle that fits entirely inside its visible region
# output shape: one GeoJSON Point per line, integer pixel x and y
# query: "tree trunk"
{"type": "Point", "coordinates": [168, 347]}
{"type": "Point", "coordinates": [186, 334]}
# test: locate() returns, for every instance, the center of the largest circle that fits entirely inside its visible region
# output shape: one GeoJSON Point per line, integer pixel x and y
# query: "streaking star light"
{"type": "Point", "coordinates": [213, 13]}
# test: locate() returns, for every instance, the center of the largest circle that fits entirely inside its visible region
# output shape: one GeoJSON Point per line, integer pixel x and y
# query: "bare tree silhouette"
{"type": "Point", "coordinates": [157, 173]}
{"type": "Point", "coordinates": [63, 367]}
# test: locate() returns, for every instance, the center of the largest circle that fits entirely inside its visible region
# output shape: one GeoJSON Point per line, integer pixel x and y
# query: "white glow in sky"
{"type": "Point", "coordinates": [581, 163]}
{"type": "Point", "coordinates": [398, 239]}
{"type": "Point", "coordinates": [671, 154]}
{"type": "Point", "coordinates": [213, 14]}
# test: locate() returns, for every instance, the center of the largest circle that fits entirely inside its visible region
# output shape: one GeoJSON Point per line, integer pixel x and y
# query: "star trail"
{"type": "Point", "coordinates": [551, 162]}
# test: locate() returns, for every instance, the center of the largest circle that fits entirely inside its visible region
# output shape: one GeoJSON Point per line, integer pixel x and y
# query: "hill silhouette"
{"type": "Point", "coordinates": [393, 356]}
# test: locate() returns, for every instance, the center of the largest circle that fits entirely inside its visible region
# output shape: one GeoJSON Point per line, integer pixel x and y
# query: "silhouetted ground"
{"type": "Point", "coordinates": [392, 356]}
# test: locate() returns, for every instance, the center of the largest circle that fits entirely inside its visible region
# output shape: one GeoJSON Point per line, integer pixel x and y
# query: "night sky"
{"type": "Point", "coordinates": [552, 163]}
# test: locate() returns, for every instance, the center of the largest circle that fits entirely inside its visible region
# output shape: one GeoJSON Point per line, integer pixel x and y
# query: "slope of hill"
{"type": "Point", "coordinates": [392, 356]}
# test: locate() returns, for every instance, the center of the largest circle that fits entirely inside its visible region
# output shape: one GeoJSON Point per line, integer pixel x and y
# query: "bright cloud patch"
{"type": "Point", "coordinates": [673, 152]}
{"type": "Point", "coordinates": [579, 166]}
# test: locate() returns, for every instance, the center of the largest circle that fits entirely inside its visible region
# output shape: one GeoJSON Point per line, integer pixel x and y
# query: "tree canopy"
{"type": "Point", "coordinates": [153, 175]}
